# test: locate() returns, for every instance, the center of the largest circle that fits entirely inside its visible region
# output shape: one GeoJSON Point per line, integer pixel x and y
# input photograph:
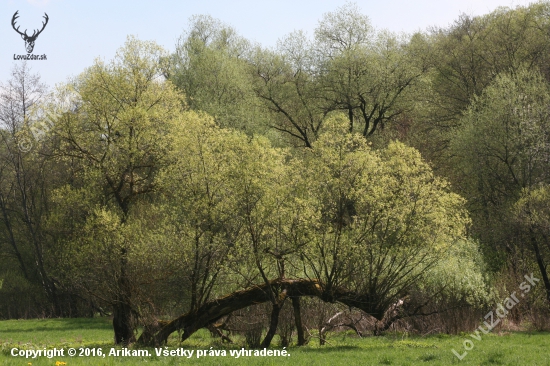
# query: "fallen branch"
{"type": "Point", "coordinates": [215, 309]}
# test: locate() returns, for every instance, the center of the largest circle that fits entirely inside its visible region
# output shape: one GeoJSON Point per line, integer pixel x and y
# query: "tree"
{"type": "Point", "coordinates": [341, 222]}
{"type": "Point", "coordinates": [210, 67]}
{"type": "Point", "coordinates": [474, 50]}
{"type": "Point", "coordinates": [348, 67]}
{"type": "Point", "coordinates": [343, 30]}
{"type": "Point", "coordinates": [385, 219]}
{"type": "Point", "coordinates": [24, 182]}
{"type": "Point", "coordinates": [202, 205]}
{"type": "Point", "coordinates": [369, 75]}
{"type": "Point", "coordinates": [502, 151]}
{"type": "Point", "coordinates": [464, 59]}
{"type": "Point", "coordinates": [531, 213]}
{"type": "Point", "coordinates": [236, 217]}
{"type": "Point", "coordinates": [371, 82]}
{"type": "Point", "coordinates": [277, 219]}
{"type": "Point", "coordinates": [119, 134]}
{"type": "Point", "coordinates": [285, 84]}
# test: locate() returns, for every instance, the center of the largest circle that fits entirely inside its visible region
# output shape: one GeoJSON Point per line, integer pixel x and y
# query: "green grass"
{"type": "Point", "coordinates": [342, 348]}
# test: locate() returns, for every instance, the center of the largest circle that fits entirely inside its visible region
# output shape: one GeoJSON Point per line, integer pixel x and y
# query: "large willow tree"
{"type": "Point", "coordinates": [341, 222]}
{"type": "Point", "coordinates": [116, 138]}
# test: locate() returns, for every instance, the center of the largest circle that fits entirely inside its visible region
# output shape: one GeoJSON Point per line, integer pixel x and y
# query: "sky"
{"type": "Point", "coordinates": [80, 31]}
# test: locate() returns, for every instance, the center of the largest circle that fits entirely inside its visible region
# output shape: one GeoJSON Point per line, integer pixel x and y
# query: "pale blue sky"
{"type": "Point", "coordinates": [79, 31]}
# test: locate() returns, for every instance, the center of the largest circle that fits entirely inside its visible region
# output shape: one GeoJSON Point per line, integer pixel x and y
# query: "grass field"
{"type": "Point", "coordinates": [89, 335]}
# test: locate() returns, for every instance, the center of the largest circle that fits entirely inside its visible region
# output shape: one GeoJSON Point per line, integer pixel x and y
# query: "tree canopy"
{"type": "Point", "coordinates": [405, 176]}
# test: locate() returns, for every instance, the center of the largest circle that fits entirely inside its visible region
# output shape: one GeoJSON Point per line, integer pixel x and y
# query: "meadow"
{"type": "Point", "coordinates": [342, 348]}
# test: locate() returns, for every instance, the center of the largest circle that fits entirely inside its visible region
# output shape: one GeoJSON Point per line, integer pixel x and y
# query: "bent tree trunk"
{"type": "Point", "coordinates": [213, 310]}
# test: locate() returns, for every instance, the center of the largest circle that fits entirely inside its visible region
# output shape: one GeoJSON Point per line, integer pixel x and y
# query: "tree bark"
{"type": "Point", "coordinates": [123, 313]}
{"type": "Point", "coordinates": [123, 324]}
{"type": "Point", "coordinates": [298, 321]}
{"type": "Point", "coordinates": [7, 223]}
{"type": "Point", "coordinates": [273, 323]}
{"type": "Point", "coordinates": [540, 263]}
{"type": "Point", "coordinates": [213, 310]}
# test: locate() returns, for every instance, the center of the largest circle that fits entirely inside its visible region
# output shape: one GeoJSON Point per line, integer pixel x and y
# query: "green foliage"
{"type": "Point", "coordinates": [373, 81]}
{"type": "Point", "coordinates": [501, 149]}
{"type": "Point", "coordinates": [163, 209]}
{"type": "Point", "coordinates": [285, 86]}
{"type": "Point", "coordinates": [371, 76]}
{"type": "Point", "coordinates": [460, 275]}
{"type": "Point", "coordinates": [385, 219]}
{"type": "Point", "coordinates": [474, 50]}
{"type": "Point", "coordinates": [532, 209]}
{"type": "Point", "coordinates": [121, 129]}
{"type": "Point", "coordinates": [210, 67]}
{"type": "Point", "coordinates": [116, 142]}
{"type": "Point", "coordinates": [465, 58]}
{"type": "Point", "coordinates": [504, 135]}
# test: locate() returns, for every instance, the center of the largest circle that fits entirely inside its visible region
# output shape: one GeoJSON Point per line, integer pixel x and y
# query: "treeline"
{"type": "Point", "coordinates": [405, 176]}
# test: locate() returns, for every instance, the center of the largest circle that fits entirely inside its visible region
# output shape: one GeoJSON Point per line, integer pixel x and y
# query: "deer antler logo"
{"type": "Point", "coordinates": [29, 40]}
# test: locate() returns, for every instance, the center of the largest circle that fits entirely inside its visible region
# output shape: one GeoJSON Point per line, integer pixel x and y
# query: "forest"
{"type": "Point", "coordinates": [351, 178]}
